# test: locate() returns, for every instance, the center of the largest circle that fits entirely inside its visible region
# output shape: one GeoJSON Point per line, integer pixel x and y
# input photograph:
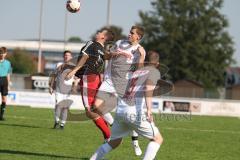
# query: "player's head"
{"type": "Point", "coordinates": [136, 34]}
{"type": "Point", "coordinates": [153, 58]}
{"type": "Point", "coordinates": [105, 35]}
{"type": "Point", "coordinates": [67, 55]}
{"type": "Point", "coordinates": [3, 52]}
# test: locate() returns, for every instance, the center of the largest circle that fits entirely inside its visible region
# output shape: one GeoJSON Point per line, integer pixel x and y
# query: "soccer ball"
{"type": "Point", "coordinates": [73, 6]}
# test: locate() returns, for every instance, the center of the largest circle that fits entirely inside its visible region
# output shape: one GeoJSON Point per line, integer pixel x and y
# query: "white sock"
{"type": "Point", "coordinates": [135, 142]}
{"type": "Point", "coordinates": [134, 134]}
{"type": "Point", "coordinates": [101, 151]}
{"type": "Point", "coordinates": [63, 123]}
{"type": "Point", "coordinates": [108, 117]}
{"type": "Point", "coordinates": [57, 119]}
{"type": "Point", "coordinates": [151, 151]}
{"type": "Point", "coordinates": [134, 138]}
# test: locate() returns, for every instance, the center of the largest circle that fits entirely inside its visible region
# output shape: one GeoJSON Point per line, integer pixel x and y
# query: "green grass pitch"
{"type": "Point", "coordinates": [26, 134]}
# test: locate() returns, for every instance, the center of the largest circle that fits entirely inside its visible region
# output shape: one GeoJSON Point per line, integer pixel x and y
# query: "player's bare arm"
{"type": "Point", "coordinates": [52, 79]}
{"type": "Point", "coordinates": [51, 83]}
{"type": "Point", "coordinates": [8, 79]}
{"type": "Point", "coordinates": [148, 94]}
{"type": "Point", "coordinates": [79, 65]}
{"type": "Point", "coordinates": [142, 53]}
{"type": "Point", "coordinates": [74, 85]}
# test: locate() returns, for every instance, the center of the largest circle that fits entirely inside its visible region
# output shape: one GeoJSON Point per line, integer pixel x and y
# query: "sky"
{"type": "Point", "coordinates": [19, 19]}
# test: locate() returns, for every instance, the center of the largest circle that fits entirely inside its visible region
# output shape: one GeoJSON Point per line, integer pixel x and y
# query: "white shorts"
{"type": "Point", "coordinates": [107, 93]}
{"type": "Point", "coordinates": [127, 118]}
{"type": "Point", "coordinates": [59, 97]}
{"type": "Point", "coordinates": [107, 86]}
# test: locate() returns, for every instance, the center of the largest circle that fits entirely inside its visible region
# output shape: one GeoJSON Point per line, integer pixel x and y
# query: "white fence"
{"type": "Point", "coordinates": [181, 105]}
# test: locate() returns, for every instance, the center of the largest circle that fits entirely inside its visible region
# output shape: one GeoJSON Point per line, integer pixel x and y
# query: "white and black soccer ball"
{"type": "Point", "coordinates": [73, 6]}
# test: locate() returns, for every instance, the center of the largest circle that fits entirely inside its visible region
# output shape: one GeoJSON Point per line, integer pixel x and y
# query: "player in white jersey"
{"type": "Point", "coordinates": [109, 90]}
{"type": "Point", "coordinates": [63, 89]}
{"type": "Point", "coordinates": [132, 117]}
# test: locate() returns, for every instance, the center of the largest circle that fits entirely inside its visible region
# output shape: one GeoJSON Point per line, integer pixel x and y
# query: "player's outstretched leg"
{"type": "Point", "coordinates": [153, 147]}
{"type": "Point", "coordinates": [136, 147]}
{"type": "Point", "coordinates": [106, 148]}
{"type": "Point", "coordinates": [57, 113]}
{"type": "Point", "coordinates": [3, 107]}
{"type": "Point", "coordinates": [64, 113]}
{"type": "Point", "coordinates": [100, 123]}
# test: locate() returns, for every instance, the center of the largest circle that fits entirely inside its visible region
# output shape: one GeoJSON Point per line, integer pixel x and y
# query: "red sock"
{"type": "Point", "coordinates": [100, 123]}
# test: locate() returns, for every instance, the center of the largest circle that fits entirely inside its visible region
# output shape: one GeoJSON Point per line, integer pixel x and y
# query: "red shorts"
{"type": "Point", "coordinates": [89, 85]}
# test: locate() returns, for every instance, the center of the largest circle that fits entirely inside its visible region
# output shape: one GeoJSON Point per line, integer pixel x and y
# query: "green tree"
{"type": "Point", "coordinates": [116, 30]}
{"type": "Point", "coordinates": [191, 37]}
{"type": "Point", "coordinates": [22, 62]}
{"type": "Point", "coordinates": [75, 39]}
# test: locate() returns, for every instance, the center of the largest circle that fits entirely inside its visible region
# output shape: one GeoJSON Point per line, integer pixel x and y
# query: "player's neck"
{"type": "Point", "coordinates": [101, 42]}
{"type": "Point", "coordinates": [134, 43]}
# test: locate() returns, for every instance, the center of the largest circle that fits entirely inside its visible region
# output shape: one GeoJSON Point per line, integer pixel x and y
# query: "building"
{"type": "Point", "coordinates": [188, 88]}
{"type": "Point", "coordinates": [52, 51]}
{"type": "Point", "coordinates": [232, 76]}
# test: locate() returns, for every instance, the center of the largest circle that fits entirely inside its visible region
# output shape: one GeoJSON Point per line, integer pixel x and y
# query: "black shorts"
{"type": "Point", "coordinates": [4, 86]}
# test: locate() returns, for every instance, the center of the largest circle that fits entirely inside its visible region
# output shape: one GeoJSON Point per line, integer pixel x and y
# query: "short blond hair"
{"type": "Point", "coordinates": [139, 30]}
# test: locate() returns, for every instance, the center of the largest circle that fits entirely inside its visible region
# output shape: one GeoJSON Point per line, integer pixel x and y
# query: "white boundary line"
{"type": "Point", "coordinates": [163, 128]}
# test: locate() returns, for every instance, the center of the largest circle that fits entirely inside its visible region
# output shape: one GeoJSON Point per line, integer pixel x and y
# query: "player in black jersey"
{"type": "Point", "coordinates": [89, 68]}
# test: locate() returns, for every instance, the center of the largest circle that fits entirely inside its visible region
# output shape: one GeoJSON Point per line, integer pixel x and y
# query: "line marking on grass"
{"type": "Point", "coordinates": [42, 119]}
{"type": "Point", "coordinates": [167, 128]}
{"type": "Point", "coordinates": [203, 130]}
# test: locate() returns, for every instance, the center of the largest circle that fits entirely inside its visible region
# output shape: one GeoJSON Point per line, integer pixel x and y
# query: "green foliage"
{"type": "Point", "coordinates": [75, 39]}
{"type": "Point", "coordinates": [22, 62]}
{"type": "Point", "coordinates": [191, 37]}
{"type": "Point", "coordinates": [117, 32]}
{"type": "Point", "coordinates": [27, 134]}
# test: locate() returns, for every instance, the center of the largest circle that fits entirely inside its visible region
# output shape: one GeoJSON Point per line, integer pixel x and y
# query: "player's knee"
{"type": "Point", "coordinates": [98, 102]}
{"type": "Point", "coordinates": [89, 114]}
{"type": "Point", "coordinates": [158, 139]}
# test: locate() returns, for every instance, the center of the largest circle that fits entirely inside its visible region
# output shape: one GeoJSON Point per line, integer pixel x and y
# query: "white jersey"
{"type": "Point", "coordinates": [135, 95]}
{"type": "Point", "coordinates": [132, 117]}
{"type": "Point", "coordinates": [63, 86]}
{"type": "Point", "coordinates": [120, 67]}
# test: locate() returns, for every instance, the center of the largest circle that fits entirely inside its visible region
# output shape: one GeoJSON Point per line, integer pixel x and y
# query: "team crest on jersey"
{"type": "Point", "coordinates": [100, 52]}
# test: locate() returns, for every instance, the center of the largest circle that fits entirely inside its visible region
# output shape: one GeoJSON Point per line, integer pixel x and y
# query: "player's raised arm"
{"type": "Point", "coordinates": [79, 65]}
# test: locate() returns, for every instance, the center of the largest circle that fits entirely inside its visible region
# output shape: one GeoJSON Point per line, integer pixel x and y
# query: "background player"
{"type": "Point", "coordinates": [5, 70]}
{"type": "Point", "coordinates": [89, 68]}
{"type": "Point", "coordinates": [62, 89]}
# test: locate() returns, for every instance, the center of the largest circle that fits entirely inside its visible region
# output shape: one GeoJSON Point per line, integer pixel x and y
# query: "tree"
{"type": "Point", "coordinates": [191, 37]}
{"type": "Point", "coordinates": [22, 62]}
{"type": "Point", "coordinates": [116, 30]}
{"type": "Point", "coordinates": [75, 39]}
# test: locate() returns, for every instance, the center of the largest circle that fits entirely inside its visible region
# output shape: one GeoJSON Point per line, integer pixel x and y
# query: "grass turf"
{"type": "Point", "coordinates": [27, 134]}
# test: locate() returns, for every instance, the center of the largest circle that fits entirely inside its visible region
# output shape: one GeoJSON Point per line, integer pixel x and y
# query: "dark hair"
{"type": "Point", "coordinates": [110, 34]}
{"type": "Point", "coordinates": [139, 30]}
{"type": "Point", "coordinates": [67, 51]}
{"type": "Point", "coordinates": [3, 50]}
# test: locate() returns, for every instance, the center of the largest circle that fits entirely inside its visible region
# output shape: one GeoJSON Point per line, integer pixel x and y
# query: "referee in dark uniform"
{"type": "Point", "coordinates": [5, 70]}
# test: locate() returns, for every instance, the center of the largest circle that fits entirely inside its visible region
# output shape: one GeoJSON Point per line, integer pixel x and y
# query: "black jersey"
{"type": "Point", "coordinates": [95, 62]}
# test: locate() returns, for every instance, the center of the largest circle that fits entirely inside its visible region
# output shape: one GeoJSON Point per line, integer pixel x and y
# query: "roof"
{"type": "Point", "coordinates": [188, 81]}
{"type": "Point", "coordinates": [55, 46]}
